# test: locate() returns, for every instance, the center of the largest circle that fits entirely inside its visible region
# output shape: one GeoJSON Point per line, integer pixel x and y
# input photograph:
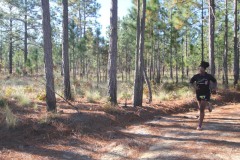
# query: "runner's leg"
{"type": "Point", "coordinates": [202, 108]}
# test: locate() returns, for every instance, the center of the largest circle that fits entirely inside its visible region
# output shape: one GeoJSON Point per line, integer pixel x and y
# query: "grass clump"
{"type": "Point", "coordinates": [110, 108]}
{"type": "Point", "coordinates": [171, 91]}
{"type": "Point", "coordinates": [28, 89]}
{"type": "Point", "coordinates": [9, 91]}
{"type": "Point", "coordinates": [93, 96]}
{"type": "Point", "coordinates": [3, 101]}
{"type": "Point", "coordinates": [23, 100]}
{"type": "Point", "coordinates": [11, 120]}
{"type": "Point", "coordinates": [41, 96]}
{"type": "Point", "coordinates": [48, 118]}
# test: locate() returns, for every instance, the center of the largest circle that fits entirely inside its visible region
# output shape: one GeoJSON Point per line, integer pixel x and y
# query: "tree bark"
{"type": "Point", "coordinates": [183, 73]}
{"type": "Point", "coordinates": [171, 52]}
{"type": "Point", "coordinates": [187, 72]}
{"type": "Point", "coordinates": [236, 49]}
{"type": "Point", "coordinates": [112, 59]}
{"type": "Point", "coordinates": [10, 48]}
{"type": "Point", "coordinates": [137, 99]}
{"type": "Point", "coordinates": [25, 34]}
{"type": "Point", "coordinates": [202, 34]}
{"type": "Point", "coordinates": [65, 54]}
{"type": "Point", "coordinates": [158, 64]}
{"type": "Point", "coordinates": [50, 94]}
{"type": "Point", "coordinates": [211, 35]}
{"type": "Point", "coordinates": [138, 87]}
{"type": "Point", "coordinates": [225, 56]}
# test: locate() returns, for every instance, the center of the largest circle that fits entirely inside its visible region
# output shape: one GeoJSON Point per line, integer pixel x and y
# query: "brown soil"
{"type": "Point", "coordinates": [155, 131]}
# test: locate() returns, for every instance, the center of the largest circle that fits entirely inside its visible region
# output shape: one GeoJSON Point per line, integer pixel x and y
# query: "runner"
{"type": "Point", "coordinates": [201, 84]}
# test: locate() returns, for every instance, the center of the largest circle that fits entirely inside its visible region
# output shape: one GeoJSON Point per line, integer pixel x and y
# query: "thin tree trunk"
{"type": "Point", "coordinates": [148, 85]}
{"type": "Point", "coordinates": [176, 67]}
{"type": "Point", "coordinates": [98, 64]}
{"type": "Point", "coordinates": [50, 94]}
{"type": "Point", "coordinates": [10, 48]}
{"type": "Point", "coordinates": [137, 99]}
{"type": "Point", "coordinates": [158, 64]}
{"type": "Point", "coordinates": [84, 18]}
{"type": "Point", "coordinates": [1, 55]}
{"type": "Point", "coordinates": [211, 35]}
{"type": "Point", "coordinates": [183, 61]}
{"type": "Point", "coordinates": [187, 72]}
{"type": "Point", "coordinates": [65, 55]}
{"type": "Point", "coordinates": [112, 59]}
{"type": "Point", "coordinates": [171, 52]}
{"type": "Point", "coordinates": [236, 49]}
{"type": "Point", "coordinates": [202, 34]}
{"type": "Point", "coordinates": [25, 35]}
{"type": "Point", "coordinates": [225, 56]}
{"type": "Point", "coordinates": [142, 68]}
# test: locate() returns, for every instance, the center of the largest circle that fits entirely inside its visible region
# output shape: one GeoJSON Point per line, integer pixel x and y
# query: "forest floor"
{"type": "Point", "coordinates": [165, 130]}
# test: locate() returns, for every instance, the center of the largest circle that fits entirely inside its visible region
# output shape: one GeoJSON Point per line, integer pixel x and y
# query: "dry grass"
{"type": "Point", "coordinates": [109, 108]}
{"type": "Point", "coordinates": [11, 119]}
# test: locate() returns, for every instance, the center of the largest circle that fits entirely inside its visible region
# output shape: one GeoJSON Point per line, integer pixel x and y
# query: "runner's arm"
{"type": "Point", "coordinates": [193, 84]}
{"type": "Point", "coordinates": [214, 84]}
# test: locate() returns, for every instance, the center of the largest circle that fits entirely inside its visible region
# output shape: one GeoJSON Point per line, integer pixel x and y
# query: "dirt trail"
{"type": "Point", "coordinates": [170, 137]}
{"type": "Point", "coordinates": [175, 137]}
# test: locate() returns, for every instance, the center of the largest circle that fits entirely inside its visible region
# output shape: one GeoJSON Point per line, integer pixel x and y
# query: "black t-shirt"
{"type": "Point", "coordinates": [203, 82]}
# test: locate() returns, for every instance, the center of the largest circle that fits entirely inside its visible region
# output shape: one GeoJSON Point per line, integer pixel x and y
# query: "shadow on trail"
{"type": "Point", "coordinates": [188, 138]}
{"type": "Point", "coordinates": [50, 153]}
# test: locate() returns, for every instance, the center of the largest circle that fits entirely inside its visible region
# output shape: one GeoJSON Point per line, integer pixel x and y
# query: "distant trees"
{"type": "Point", "coordinates": [159, 42]}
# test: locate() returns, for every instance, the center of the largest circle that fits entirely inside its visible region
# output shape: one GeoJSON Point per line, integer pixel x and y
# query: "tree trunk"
{"type": "Point", "coordinates": [142, 68]}
{"type": "Point", "coordinates": [236, 49]}
{"type": "Point", "coordinates": [158, 64]}
{"type": "Point", "coordinates": [25, 34]}
{"type": "Point", "coordinates": [138, 87]}
{"type": "Point", "coordinates": [183, 61]}
{"type": "Point", "coordinates": [225, 56]}
{"type": "Point", "coordinates": [176, 66]}
{"type": "Point", "coordinates": [136, 95]}
{"type": "Point", "coordinates": [84, 18]}
{"type": "Point", "coordinates": [211, 35]}
{"type": "Point", "coordinates": [171, 52]}
{"type": "Point", "coordinates": [202, 34]}
{"type": "Point", "coordinates": [50, 93]}
{"type": "Point", "coordinates": [187, 72]}
{"type": "Point", "coordinates": [1, 55]}
{"type": "Point", "coordinates": [148, 85]}
{"type": "Point", "coordinates": [65, 55]}
{"type": "Point", "coordinates": [10, 48]}
{"type": "Point", "coordinates": [112, 59]}
{"type": "Point", "coordinates": [98, 64]}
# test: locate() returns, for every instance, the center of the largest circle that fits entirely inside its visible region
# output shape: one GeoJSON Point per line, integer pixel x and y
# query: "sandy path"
{"type": "Point", "coordinates": [175, 137]}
